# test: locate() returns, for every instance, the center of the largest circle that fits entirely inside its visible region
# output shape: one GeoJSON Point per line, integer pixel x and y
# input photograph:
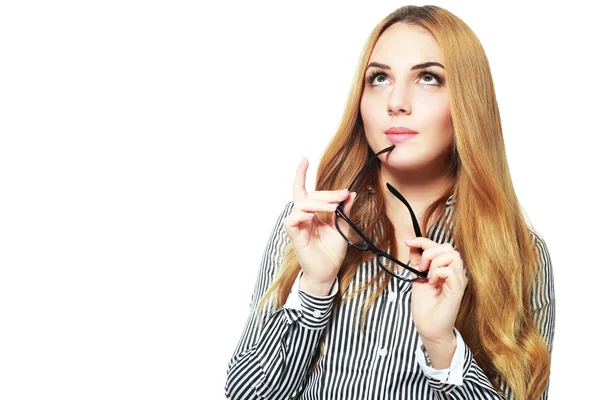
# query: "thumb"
{"type": "Point", "coordinates": [415, 257]}
{"type": "Point", "coordinates": [348, 203]}
{"type": "Point", "coordinates": [346, 209]}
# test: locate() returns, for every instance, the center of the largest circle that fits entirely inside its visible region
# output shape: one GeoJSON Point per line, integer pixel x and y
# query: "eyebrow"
{"type": "Point", "coordinates": [413, 68]}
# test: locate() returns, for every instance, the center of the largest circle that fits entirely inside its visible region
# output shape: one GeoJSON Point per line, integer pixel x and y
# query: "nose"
{"type": "Point", "coordinates": [399, 101]}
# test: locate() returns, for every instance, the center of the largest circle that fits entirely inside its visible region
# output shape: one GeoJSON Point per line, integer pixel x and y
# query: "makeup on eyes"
{"type": "Point", "coordinates": [375, 73]}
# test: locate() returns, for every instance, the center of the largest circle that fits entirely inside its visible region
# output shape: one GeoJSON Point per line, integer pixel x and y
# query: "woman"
{"type": "Point", "coordinates": [466, 311]}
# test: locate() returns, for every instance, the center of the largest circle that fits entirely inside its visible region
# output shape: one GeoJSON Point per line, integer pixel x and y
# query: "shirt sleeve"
{"type": "Point", "coordinates": [453, 374]}
{"type": "Point", "coordinates": [475, 384]}
{"type": "Point", "coordinates": [274, 353]}
{"type": "Point", "coordinates": [314, 307]}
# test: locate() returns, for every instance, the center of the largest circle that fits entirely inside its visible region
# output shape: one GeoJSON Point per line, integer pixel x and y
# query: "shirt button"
{"type": "Point", "coordinates": [316, 314]}
{"type": "Point", "coordinates": [392, 297]}
{"type": "Point", "coordinates": [382, 352]}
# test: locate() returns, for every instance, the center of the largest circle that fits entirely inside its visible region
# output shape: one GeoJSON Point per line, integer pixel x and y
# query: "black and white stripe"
{"type": "Point", "coordinates": [272, 358]}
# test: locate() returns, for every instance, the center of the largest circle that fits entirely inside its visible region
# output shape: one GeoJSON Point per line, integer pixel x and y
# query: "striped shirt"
{"type": "Point", "coordinates": [382, 361]}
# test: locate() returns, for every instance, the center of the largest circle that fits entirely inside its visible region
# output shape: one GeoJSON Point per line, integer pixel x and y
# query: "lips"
{"type": "Point", "coordinates": [400, 130]}
{"type": "Point", "coordinates": [399, 134]}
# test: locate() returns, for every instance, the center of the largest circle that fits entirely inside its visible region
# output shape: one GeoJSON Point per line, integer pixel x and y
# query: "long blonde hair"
{"type": "Point", "coordinates": [490, 231]}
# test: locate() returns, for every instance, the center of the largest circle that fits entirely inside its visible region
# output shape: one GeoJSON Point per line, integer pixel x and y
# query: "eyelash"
{"type": "Point", "coordinates": [376, 73]}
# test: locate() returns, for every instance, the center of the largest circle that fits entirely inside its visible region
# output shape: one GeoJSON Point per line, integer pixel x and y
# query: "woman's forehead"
{"type": "Point", "coordinates": [406, 45]}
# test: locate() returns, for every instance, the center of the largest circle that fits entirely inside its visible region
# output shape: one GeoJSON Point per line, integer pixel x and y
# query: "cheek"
{"type": "Point", "coordinates": [369, 113]}
{"type": "Point", "coordinates": [371, 107]}
{"type": "Point", "coordinates": [438, 118]}
{"type": "Point", "coordinates": [366, 110]}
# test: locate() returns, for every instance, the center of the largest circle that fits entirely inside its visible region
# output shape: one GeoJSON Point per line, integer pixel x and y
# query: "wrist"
{"type": "Point", "coordinates": [315, 287]}
{"type": "Point", "coordinates": [441, 351]}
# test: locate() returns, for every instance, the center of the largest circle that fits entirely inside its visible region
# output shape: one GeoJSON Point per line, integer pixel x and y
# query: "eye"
{"type": "Point", "coordinates": [375, 78]}
{"type": "Point", "coordinates": [427, 75]}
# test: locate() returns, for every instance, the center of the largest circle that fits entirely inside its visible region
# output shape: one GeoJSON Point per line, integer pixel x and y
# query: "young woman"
{"type": "Point", "coordinates": [352, 300]}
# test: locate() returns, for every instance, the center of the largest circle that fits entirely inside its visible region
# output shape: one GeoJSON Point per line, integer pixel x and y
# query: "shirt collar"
{"type": "Point", "coordinates": [450, 201]}
{"type": "Point", "coordinates": [437, 232]}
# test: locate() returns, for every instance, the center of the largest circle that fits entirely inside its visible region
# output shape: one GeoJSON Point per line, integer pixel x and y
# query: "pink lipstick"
{"type": "Point", "coordinates": [399, 134]}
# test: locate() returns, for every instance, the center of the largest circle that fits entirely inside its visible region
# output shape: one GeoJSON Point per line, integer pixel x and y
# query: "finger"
{"type": "Point", "coordinates": [433, 252]}
{"type": "Point", "coordinates": [441, 261]}
{"type": "Point", "coordinates": [312, 205]}
{"type": "Point", "coordinates": [420, 244]}
{"type": "Point", "coordinates": [416, 258]}
{"type": "Point", "coordinates": [459, 267]}
{"type": "Point", "coordinates": [446, 276]}
{"type": "Point", "coordinates": [329, 195]}
{"type": "Point", "coordinates": [296, 218]}
{"type": "Point", "coordinates": [346, 209]}
{"type": "Point", "coordinates": [349, 202]}
{"type": "Point", "coordinates": [299, 186]}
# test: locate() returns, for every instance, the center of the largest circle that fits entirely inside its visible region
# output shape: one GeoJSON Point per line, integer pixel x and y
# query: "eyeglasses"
{"type": "Point", "coordinates": [388, 263]}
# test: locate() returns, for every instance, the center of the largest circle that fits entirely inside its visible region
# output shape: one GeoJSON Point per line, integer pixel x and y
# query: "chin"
{"type": "Point", "coordinates": [403, 162]}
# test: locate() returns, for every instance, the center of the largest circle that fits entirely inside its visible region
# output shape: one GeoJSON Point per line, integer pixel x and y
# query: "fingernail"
{"type": "Point", "coordinates": [419, 266]}
{"type": "Point", "coordinates": [429, 274]}
{"type": "Point", "coordinates": [409, 240]}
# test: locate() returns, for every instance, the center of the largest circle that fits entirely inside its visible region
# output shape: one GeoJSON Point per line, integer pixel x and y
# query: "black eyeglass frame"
{"type": "Point", "coordinates": [369, 245]}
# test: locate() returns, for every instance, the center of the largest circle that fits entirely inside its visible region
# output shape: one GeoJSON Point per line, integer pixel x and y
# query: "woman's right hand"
{"type": "Point", "coordinates": [319, 247]}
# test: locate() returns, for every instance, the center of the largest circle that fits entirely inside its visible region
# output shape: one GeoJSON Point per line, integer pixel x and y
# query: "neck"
{"type": "Point", "coordinates": [420, 188]}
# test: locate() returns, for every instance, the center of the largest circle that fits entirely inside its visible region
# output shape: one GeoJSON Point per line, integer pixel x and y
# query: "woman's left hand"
{"type": "Point", "coordinates": [435, 303]}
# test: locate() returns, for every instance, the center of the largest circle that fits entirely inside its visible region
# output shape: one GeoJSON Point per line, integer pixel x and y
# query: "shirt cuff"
{"type": "Point", "coordinates": [311, 311]}
{"type": "Point", "coordinates": [452, 375]}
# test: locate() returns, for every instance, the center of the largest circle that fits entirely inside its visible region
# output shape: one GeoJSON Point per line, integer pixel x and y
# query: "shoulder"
{"type": "Point", "coordinates": [543, 282]}
{"type": "Point", "coordinates": [278, 234]}
{"type": "Point", "coordinates": [540, 247]}
{"type": "Point", "coordinates": [287, 209]}
{"type": "Point", "coordinates": [283, 213]}
{"type": "Point", "coordinates": [278, 239]}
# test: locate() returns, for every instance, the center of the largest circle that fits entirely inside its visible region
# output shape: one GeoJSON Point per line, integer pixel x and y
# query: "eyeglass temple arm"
{"type": "Point", "coordinates": [369, 161]}
{"type": "Point", "coordinates": [410, 210]}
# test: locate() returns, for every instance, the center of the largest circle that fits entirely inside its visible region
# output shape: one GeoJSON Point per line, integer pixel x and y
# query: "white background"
{"type": "Point", "coordinates": [148, 147]}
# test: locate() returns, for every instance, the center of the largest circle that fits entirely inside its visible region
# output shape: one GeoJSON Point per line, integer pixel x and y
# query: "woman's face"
{"type": "Point", "coordinates": [400, 93]}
